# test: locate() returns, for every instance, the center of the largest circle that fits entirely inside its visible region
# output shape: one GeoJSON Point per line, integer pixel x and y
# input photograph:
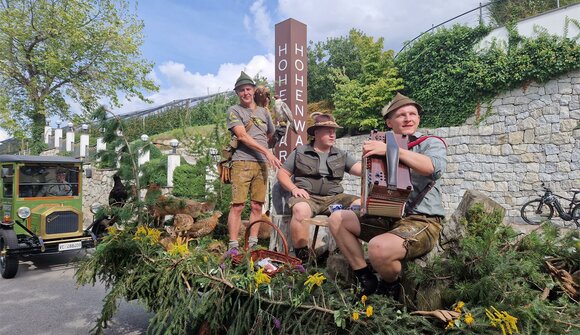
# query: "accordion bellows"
{"type": "Point", "coordinates": [386, 183]}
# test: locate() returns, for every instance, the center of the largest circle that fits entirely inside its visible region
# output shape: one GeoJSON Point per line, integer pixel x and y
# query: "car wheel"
{"type": "Point", "coordinates": [8, 263]}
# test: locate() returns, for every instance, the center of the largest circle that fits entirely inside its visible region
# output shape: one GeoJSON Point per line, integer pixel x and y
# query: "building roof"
{"type": "Point", "coordinates": [38, 159]}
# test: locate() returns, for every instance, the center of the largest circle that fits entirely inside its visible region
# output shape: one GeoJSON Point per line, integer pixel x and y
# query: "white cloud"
{"type": "Point", "coordinates": [181, 83]}
{"type": "Point", "coordinates": [260, 24]}
{"type": "Point", "coordinates": [396, 21]}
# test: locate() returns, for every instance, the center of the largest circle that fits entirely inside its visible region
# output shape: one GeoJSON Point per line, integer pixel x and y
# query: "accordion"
{"type": "Point", "coordinates": [386, 183]}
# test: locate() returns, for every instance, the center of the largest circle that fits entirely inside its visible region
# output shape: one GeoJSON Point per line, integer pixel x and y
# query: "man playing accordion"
{"type": "Point", "coordinates": [390, 240]}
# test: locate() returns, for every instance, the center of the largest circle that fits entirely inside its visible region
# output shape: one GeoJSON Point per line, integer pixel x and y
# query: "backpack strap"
{"type": "Point", "coordinates": [412, 204]}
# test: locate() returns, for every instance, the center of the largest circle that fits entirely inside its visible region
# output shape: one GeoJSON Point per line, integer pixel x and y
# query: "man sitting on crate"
{"type": "Point", "coordinates": [318, 169]}
{"type": "Point", "coordinates": [390, 241]}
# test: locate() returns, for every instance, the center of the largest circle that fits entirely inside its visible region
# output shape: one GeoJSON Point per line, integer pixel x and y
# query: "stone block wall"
{"type": "Point", "coordinates": [96, 190]}
{"type": "Point", "coordinates": [524, 137]}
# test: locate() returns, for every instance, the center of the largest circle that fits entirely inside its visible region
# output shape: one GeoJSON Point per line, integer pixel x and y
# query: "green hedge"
{"type": "Point", "coordinates": [449, 77]}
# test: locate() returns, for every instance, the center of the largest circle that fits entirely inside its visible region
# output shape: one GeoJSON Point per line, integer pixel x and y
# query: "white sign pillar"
{"type": "Point", "coordinates": [47, 133]}
{"type": "Point", "coordinates": [144, 154]}
{"type": "Point", "coordinates": [57, 135]}
{"type": "Point", "coordinates": [118, 149]}
{"type": "Point", "coordinates": [84, 141]}
{"type": "Point", "coordinates": [173, 161]}
{"type": "Point", "coordinates": [70, 138]}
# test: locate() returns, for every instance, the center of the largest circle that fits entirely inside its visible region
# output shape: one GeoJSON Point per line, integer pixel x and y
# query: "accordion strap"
{"type": "Point", "coordinates": [392, 160]}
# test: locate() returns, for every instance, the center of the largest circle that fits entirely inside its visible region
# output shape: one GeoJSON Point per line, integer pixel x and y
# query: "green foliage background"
{"type": "Point", "coordinates": [189, 181]}
{"type": "Point", "coordinates": [52, 52]}
{"type": "Point", "coordinates": [508, 11]}
{"type": "Point", "coordinates": [450, 77]}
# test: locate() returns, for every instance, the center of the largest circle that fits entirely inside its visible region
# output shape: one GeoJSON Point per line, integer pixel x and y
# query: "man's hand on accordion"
{"type": "Point", "coordinates": [300, 193]}
{"type": "Point", "coordinates": [371, 148]}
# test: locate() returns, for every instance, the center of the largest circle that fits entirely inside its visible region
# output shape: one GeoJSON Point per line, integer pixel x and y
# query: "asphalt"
{"type": "Point", "coordinates": [44, 298]}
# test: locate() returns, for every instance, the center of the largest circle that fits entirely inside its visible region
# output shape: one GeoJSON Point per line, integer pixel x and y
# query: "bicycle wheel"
{"type": "Point", "coordinates": [536, 212]}
{"type": "Point", "coordinates": [576, 215]}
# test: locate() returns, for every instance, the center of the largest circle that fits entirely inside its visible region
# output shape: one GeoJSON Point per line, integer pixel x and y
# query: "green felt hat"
{"type": "Point", "coordinates": [243, 79]}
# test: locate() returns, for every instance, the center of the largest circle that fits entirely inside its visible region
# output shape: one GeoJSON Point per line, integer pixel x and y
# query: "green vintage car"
{"type": "Point", "coordinates": [41, 207]}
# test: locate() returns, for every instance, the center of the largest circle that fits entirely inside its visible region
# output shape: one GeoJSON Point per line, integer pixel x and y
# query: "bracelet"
{"type": "Point", "coordinates": [292, 190]}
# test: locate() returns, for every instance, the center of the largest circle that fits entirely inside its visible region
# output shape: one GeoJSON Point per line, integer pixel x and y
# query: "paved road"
{"type": "Point", "coordinates": [43, 298]}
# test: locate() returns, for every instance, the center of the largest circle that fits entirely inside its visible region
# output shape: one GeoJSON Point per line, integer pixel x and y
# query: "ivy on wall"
{"type": "Point", "coordinates": [449, 77]}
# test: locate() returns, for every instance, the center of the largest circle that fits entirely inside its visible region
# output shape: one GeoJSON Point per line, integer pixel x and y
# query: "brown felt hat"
{"type": "Point", "coordinates": [243, 79]}
{"type": "Point", "coordinates": [399, 101]}
{"type": "Point", "coordinates": [321, 120]}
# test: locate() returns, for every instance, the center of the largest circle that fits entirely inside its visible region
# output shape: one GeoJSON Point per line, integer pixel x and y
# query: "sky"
{"type": "Point", "coordinates": [200, 47]}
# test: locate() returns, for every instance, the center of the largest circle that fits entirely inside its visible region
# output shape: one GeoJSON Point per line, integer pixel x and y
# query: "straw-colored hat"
{"type": "Point", "coordinates": [321, 120]}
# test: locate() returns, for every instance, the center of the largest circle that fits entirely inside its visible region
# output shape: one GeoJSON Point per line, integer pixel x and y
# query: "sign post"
{"type": "Point", "coordinates": [291, 81]}
{"type": "Point", "coordinates": [291, 86]}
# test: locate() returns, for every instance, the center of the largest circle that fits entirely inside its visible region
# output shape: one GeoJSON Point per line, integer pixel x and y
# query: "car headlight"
{"type": "Point", "coordinates": [95, 208]}
{"type": "Point", "coordinates": [23, 212]}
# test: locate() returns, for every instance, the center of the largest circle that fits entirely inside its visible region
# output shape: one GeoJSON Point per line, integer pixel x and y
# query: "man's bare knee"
{"type": "Point", "coordinates": [256, 206]}
{"type": "Point", "coordinates": [237, 208]}
{"type": "Point", "coordinates": [301, 211]}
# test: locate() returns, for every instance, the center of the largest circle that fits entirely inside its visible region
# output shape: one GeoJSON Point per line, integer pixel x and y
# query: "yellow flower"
{"type": "Point", "coordinates": [363, 299]}
{"type": "Point", "coordinates": [315, 279]}
{"type": "Point", "coordinates": [112, 230]}
{"type": "Point", "coordinates": [468, 319]}
{"type": "Point", "coordinates": [506, 322]}
{"type": "Point", "coordinates": [355, 316]}
{"type": "Point", "coordinates": [450, 324]}
{"type": "Point", "coordinates": [369, 311]}
{"type": "Point", "coordinates": [140, 233]}
{"type": "Point", "coordinates": [179, 247]}
{"type": "Point", "coordinates": [141, 230]}
{"type": "Point", "coordinates": [459, 306]}
{"type": "Point", "coordinates": [154, 235]}
{"type": "Point", "coordinates": [261, 278]}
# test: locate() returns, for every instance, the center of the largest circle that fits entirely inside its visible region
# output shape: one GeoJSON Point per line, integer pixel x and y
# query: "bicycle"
{"type": "Point", "coordinates": [542, 209]}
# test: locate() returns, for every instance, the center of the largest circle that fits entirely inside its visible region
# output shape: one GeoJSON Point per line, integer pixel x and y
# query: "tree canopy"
{"type": "Point", "coordinates": [55, 53]}
{"type": "Point", "coordinates": [355, 76]}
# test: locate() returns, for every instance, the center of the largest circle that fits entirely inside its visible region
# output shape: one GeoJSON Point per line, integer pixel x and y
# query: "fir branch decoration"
{"type": "Point", "coordinates": [493, 269]}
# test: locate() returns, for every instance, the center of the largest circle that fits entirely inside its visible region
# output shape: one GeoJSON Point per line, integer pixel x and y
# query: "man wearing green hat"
{"type": "Point", "coordinates": [253, 127]}
{"type": "Point", "coordinates": [317, 169]}
{"type": "Point", "coordinates": [391, 241]}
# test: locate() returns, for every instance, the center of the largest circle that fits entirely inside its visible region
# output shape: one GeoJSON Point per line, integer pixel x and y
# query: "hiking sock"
{"type": "Point", "coordinates": [233, 244]}
{"type": "Point", "coordinates": [367, 280]}
{"type": "Point", "coordinates": [252, 241]}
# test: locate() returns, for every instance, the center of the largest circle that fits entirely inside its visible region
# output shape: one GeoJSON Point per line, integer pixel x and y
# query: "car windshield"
{"type": "Point", "coordinates": [48, 181]}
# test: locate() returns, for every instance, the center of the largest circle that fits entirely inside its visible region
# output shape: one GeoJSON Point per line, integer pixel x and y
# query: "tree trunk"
{"type": "Point", "coordinates": [37, 144]}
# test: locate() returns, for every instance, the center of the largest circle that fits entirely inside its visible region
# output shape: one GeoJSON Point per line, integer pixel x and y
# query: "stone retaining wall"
{"type": "Point", "coordinates": [525, 137]}
{"type": "Point", "coordinates": [96, 190]}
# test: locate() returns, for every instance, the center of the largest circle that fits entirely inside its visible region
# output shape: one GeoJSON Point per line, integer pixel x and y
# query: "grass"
{"type": "Point", "coordinates": [188, 132]}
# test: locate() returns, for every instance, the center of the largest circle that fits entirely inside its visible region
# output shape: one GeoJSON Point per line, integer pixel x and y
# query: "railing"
{"type": "Point", "coordinates": [481, 17]}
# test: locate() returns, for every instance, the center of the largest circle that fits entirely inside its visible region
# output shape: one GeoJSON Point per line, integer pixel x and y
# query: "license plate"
{"type": "Point", "coordinates": [70, 246]}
